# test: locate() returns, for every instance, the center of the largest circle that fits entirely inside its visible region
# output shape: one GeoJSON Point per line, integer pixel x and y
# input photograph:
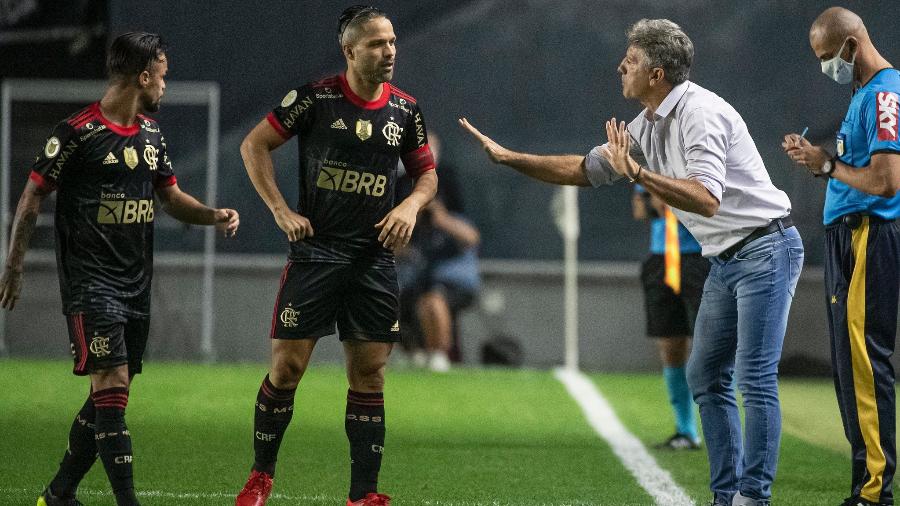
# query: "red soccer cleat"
{"type": "Point", "coordinates": [371, 499]}
{"type": "Point", "coordinates": [256, 491]}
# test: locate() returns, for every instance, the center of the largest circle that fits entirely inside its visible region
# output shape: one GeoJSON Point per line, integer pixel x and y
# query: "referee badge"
{"type": "Point", "coordinates": [839, 144]}
{"type": "Point", "coordinates": [363, 129]}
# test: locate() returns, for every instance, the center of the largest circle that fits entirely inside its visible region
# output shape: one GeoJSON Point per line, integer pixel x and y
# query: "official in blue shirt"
{"type": "Point", "coordinates": [862, 241]}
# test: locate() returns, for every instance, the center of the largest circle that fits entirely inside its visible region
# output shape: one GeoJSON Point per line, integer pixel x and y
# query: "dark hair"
{"type": "Point", "coordinates": [133, 52]}
{"type": "Point", "coordinates": [355, 15]}
{"type": "Point", "coordinates": [666, 46]}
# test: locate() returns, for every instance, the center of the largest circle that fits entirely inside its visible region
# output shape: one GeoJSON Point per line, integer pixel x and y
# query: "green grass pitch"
{"type": "Point", "coordinates": [471, 437]}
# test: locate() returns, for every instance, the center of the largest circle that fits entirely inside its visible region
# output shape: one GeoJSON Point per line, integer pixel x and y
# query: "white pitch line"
{"type": "Point", "coordinates": [600, 415]}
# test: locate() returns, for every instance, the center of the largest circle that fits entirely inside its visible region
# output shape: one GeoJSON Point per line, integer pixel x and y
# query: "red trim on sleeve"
{"type": "Point", "coordinates": [361, 102]}
{"type": "Point", "coordinates": [277, 126]}
{"type": "Point", "coordinates": [42, 183]}
{"type": "Point", "coordinates": [402, 94]}
{"type": "Point", "coordinates": [165, 183]}
{"type": "Point", "coordinates": [419, 161]}
{"type": "Point", "coordinates": [124, 131]}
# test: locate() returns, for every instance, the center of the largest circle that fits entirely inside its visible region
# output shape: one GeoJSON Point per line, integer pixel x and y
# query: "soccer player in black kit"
{"type": "Point", "coordinates": [106, 162]}
{"type": "Point", "coordinates": [352, 130]}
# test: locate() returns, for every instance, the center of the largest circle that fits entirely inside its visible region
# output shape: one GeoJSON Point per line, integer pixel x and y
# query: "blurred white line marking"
{"type": "Point", "coordinates": [600, 415]}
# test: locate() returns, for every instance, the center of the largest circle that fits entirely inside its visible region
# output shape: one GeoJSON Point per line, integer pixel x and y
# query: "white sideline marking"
{"type": "Point", "coordinates": [600, 415]}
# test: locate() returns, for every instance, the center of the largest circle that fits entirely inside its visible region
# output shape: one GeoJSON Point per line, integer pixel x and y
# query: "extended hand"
{"type": "Point", "coordinates": [495, 151]}
{"type": "Point", "coordinates": [804, 153]}
{"type": "Point", "coordinates": [397, 226]}
{"type": "Point", "coordinates": [617, 149]}
{"type": "Point", "coordinates": [295, 226]}
{"type": "Point", "coordinates": [10, 287]}
{"type": "Point", "coordinates": [227, 220]}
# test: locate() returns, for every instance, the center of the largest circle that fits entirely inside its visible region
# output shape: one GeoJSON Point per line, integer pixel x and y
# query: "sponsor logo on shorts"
{"type": "Point", "coordinates": [125, 212]}
{"type": "Point", "coordinates": [887, 116]}
{"type": "Point", "coordinates": [100, 346]}
{"type": "Point", "coordinates": [396, 326]}
{"type": "Point", "coordinates": [351, 181]}
{"type": "Point", "coordinates": [289, 318]}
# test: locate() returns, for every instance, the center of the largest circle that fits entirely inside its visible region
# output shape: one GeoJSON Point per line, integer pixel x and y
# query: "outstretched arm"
{"type": "Point", "coordinates": [256, 150]}
{"type": "Point", "coordinates": [187, 209]}
{"type": "Point", "coordinates": [554, 169]}
{"type": "Point", "coordinates": [23, 225]}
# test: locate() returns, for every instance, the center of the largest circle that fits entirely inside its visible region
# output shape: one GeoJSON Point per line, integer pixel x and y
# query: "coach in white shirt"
{"type": "Point", "coordinates": [691, 149]}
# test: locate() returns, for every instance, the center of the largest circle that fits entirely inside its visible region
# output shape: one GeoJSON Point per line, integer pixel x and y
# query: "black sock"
{"type": "Point", "coordinates": [274, 409]}
{"type": "Point", "coordinates": [114, 442]}
{"type": "Point", "coordinates": [80, 454]}
{"type": "Point", "coordinates": [364, 424]}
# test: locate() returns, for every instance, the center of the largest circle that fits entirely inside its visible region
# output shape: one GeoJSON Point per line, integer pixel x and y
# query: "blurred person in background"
{"type": "Point", "coordinates": [672, 277]}
{"type": "Point", "coordinates": [352, 129]}
{"type": "Point", "coordinates": [442, 258]}
{"type": "Point", "coordinates": [108, 161]}
{"type": "Point", "coordinates": [862, 246]}
{"type": "Point", "coordinates": [439, 273]}
{"type": "Point", "coordinates": [693, 151]}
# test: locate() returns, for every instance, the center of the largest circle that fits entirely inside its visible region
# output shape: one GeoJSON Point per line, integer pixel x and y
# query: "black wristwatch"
{"type": "Point", "coordinates": [828, 167]}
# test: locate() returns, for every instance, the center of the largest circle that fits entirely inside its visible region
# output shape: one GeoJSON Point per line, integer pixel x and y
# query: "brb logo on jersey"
{"type": "Point", "coordinates": [887, 116]}
{"type": "Point", "coordinates": [124, 211]}
{"type": "Point", "coordinates": [351, 181]}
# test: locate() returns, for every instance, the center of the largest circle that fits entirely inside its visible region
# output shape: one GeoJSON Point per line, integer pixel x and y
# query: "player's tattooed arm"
{"type": "Point", "coordinates": [554, 169]}
{"type": "Point", "coordinates": [23, 225]}
{"type": "Point", "coordinates": [187, 209]}
{"type": "Point", "coordinates": [256, 150]}
{"type": "Point", "coordinates": [397, 227]}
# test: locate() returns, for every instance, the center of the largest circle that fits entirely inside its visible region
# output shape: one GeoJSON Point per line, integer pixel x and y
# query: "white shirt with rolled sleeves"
{"type": "Point", "coordinates": [695, 134]}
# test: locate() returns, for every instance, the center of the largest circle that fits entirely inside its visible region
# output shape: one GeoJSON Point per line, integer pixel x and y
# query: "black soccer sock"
{"type": "Point", "coordinates": [114, 442]}
{"type": "Point", "coordinates": [80, 454]}
{"type": "Point", "coordinates": [274, 409]}
{"type": "Point", "coordinates": [364, 424]}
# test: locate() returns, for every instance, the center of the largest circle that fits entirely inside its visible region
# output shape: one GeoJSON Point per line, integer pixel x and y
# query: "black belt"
{"type": "Point", "coordinates": [854, 220]}
{"type": "Point", "coordinates": [776, 225]}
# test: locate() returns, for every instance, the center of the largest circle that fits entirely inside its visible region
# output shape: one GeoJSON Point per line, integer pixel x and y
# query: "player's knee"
{"type": "Point", "coordinates": [368, 379]}
{"type": "Point", "coordinates": [286, 374]}
{"type": "Point", "coordinates": [114, 377]}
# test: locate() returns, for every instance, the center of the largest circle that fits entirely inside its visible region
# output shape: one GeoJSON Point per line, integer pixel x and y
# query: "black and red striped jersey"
{"type": "Point", "coordinates": [349, 150]}
{"type": "Point", "coordinates": [105, 175]}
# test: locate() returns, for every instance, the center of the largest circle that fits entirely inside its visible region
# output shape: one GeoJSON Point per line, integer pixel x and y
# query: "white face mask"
{"type": "Point", "coordinates": [839, 69]}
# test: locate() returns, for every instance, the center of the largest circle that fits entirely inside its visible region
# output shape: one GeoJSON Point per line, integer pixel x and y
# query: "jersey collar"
{"type": "Point", "coordinates": [361, 102]}
{"type": "Point", "coordinates": [124, 131]}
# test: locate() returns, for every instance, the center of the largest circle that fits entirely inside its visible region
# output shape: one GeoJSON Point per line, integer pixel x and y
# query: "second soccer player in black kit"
{"type": "Point", "coordinates": [352, 130]}
{"type": "Point", "coordinates": [106, 163]}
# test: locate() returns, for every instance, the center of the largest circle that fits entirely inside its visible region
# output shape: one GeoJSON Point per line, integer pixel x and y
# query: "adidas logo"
{"type": "Point", "coordinates": [339, 124]}
{"type": "Point", "coordinates": [110, 159]}
{"type": "Point", "coordinates": [395, 327]}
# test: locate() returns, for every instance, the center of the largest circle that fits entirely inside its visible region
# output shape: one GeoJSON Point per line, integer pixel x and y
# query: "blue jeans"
{"type": "Point", "coordinates": [740, 328]}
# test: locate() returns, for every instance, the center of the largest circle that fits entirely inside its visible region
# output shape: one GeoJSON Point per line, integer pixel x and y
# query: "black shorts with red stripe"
{"type": "Point", "coordinates": [107, 340]}
{"type": "Point", "coordinates": [361, 298]}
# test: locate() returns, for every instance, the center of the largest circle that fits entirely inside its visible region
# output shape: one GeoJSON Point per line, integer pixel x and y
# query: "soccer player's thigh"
{"type": "Point", "coordinates": [664, 311]}
{"type": "Point", "coordinates": [97, 341]}
{"type": "Point", "coordinates": [369, 322]}
{"type": "Point", "coordinates": [308, 300]}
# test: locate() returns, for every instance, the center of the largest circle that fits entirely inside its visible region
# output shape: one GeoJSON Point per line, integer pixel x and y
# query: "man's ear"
{"type": "Point", "coordinates": [657, 75]}
{"type": "Point", "coordinates": [852, 48]}
{"type": "Point", "coordinates": [144, 79]}
{"type": "Point", "coordinates": [347, 49]}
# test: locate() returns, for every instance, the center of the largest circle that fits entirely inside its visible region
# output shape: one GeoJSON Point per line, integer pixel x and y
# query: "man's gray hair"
{"type": "Point", "coordinates": [666, 46]}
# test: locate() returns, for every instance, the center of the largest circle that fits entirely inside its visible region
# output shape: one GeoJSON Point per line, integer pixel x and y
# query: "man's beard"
{"type": "Point", "coordinates": [150, 106]}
